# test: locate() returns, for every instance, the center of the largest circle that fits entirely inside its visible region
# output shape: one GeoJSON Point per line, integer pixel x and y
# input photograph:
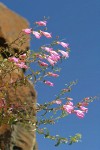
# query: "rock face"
{"type": "Point", "coordinates": [15, 136]}
{"type": "Point", "coordinates": [11, 24]}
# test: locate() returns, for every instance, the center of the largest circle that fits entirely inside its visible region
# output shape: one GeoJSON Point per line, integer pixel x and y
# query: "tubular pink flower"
{"type": "Point", "coordinates": [41, 63]}
{"type": "Point", "coordinates": [53, 74]}
{"type": "Point", "coordinates": [68, 108]}
{"type": "Point", "coordinates": [54, 53]}
{"type": "Point", "coordinates": [84, 109]}
{"type": "Point", "coordinates": [84, 104]}
{"type": "Point", "coordinates": [21, 65]}
{"type": "Point", "coordinates": [55, 57]}
{"type": "Point", "coordinates": [13, 59]}
{"type": "Point", "coordinates": [49, 83]}
{"type": "Point", "coordinates": [52, 63]}
{"type": "Point", "coordinates": [58, 102]}
{"type": "Point", "coordinates": [47, 49]}
{"type": "Point", "coordinates": [39, 56]}
{"type": "Point", "coordinates": [69, 99]}
{"type": "Point", "coordinates": [79, 113]}
{"type": "Point", "coordinates": [36, 34]}
{"type": "Point", "coordinates": [63, 44]}
{"type": "Point", "coordinates": [41, 23]}
{"type": "Point", "coordinates": [27, 31]}
{"type": "Point", "coordinates": [70, 103]}
{"type": "Point", "coordinates": [65, 54]}
{"type": "Point", "coordinates": [46, 34]}
{"type": "Point", "coordinates": [23, 56]}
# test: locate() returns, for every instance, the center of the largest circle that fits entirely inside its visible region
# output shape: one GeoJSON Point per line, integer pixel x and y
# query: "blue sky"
{"type": "Point", "coordinates": [79, 23]}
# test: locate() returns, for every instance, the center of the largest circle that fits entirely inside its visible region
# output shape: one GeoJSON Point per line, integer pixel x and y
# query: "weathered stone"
{"type": "Point", "coordinates": [15, 136]}
{"type": "Point", "coordinates": [18, 136]}
{"type": "Point", "coordinates": [11, 24]}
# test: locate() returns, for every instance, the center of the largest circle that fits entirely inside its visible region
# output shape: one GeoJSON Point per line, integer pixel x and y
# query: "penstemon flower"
{"type": "Point", "coordinates": [27, 31]}
{"type": "Point", "coordinates": [36, 34]}
{"type": "Point", "coordinates": [21, 65]}
{"type": "Point", "coordinates": [13, 59]}
{"type": "Point", "coordinates": [65, 54]}
{"type": "Point", "coordinates": [41, 63]}
{"type": "Point", "coordinates": [79, 113]}
{"type": "Point", "coordinates": [49, 59]}
{"type": "Point", "coordinates": [52, 74]}
{"type": "Point", "coordinates": [46, 34]}
{"type": "Point", "coordinates": [23, 56]}
{"type": "Point", "coordinates": [55, 58]}
{"type": "Point", "coordinates": [63, 44]}
{"type": "Point", "coordinates": [57, 102]}
{"type": "Point", "coordinates": [41, 23]}
{"type": "Point", "coordinates": [68, 108]}
{"type": "Point", "coordinates": [84, 109]}
{"type": "Point", "coordinates": [84, 104]}
{"type": "Point", "coordinates": [70, 103]}
{"type": "Point", "coordinates": [69, 98]}
{"type": "Point", "coordinates": [47, 49]}
{"type": "Point", "coordinates": [49, 83]}
{"type": "Point", "coordinates": [39, 56]}
{"type": "Point", "coordinates": [54, 53]}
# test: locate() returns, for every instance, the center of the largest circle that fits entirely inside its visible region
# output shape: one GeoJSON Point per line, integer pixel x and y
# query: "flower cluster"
{"type": "Point", "coordinates": [46, 59]}
{"type": "Point", "coordinates": [70, 108]}
{"type": "Point", "coordinates": [19, 62]}
{"type": "Point", "coordinates": [54, 56]}
{"type": "Point", "coordinates": [48, 56]}
{"type": "Point", "coordinates": [39, 33]}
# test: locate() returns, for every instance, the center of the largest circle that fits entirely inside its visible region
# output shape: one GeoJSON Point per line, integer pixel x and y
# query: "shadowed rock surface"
{"type": "Point", "coordinates": [11, 24]}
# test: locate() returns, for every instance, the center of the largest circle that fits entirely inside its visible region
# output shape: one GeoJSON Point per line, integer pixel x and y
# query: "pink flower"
{"type": "Point", "coordinates": [79, 113]}
{"type": "Point", "coordinates": [36, 34]}
{"type": "Point", "coordinates": [46, 34]}
{"type": "Point", "coordinates": [63, 44]}
{"type": "Point", "coordinates": [41, 63]}
{"type": "Point", "coordinates": [65, 54]}
{"type": "Point", "coordinates": [13, 59]}
{"type": "Point", "coordinates": [84, 109]}
{"type": "Point", "coordinates": [23, 56]}
{"type": "Point", "coordinates": [68, 108]}
{"type": "Point", "coordinates": [53, 74]}
{"type": "Point", "coordinates": [41, 23]}
{"type": "Point", "coordinates": [54, 53]}
{"type": "Point", "coordinates": [70, 103]}
{"type": "Point", "coordinates": [84, 104]}
{"type": "Point", "coordinates": [55, 58]}
{"type": "Point", "coordinates": [21, 65]}
{"type": "Point", "coordinates": [47, 49]}
{"type": "Point", "coordinates": [58, 102]}
{"type": "Point", "coordinates": [52, 63]}
{"type": "Point", "coordinates": [39, 56]}
{"type": "Point", "coordinates": [69, 99]}
{"type": "Point", "coordinates": [49, 83]}
{"type": "Point", "coordinates": [27, 31]}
